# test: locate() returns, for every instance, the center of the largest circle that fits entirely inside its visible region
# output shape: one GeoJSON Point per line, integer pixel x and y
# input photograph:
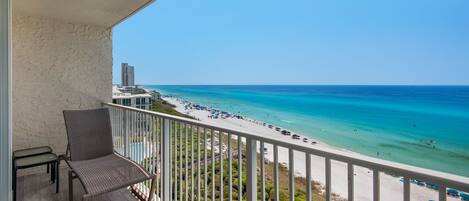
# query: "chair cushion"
{"type": "Point", "coordinates": [108, 173]}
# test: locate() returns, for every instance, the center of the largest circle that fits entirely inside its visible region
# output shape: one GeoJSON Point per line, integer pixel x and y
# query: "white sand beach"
{"type": "Point", "coordinates": [391, 187]}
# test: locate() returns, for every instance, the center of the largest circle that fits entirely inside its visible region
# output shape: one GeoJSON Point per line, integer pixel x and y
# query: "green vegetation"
{"type": "Point", "coordinates": [177, 155]}
{"type": "Point", "coordinates": [167, 108]}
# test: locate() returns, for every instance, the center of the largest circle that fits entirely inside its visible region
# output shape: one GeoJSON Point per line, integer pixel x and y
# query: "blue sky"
{"type": "Point", "coordinates": [416, 42]}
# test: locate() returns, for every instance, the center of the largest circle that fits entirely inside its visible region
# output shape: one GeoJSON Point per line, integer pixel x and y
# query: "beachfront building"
{"type": "Point", "coordinates": [128, 76]}
{"type": "Point", "coordinates": [56, 55]}
{"type": "Point", "coordinates": [132, 96]}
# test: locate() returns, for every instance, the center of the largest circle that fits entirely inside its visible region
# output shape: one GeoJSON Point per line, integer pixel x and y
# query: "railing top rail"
{"type": "Point", "coordinates": [446, 179]}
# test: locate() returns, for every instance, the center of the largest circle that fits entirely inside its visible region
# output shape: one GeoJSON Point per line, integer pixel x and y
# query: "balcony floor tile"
{"type": "Point", "coordinates": [38, 187]}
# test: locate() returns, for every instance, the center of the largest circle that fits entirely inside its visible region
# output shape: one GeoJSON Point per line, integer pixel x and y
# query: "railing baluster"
{"type": "Point", "coordinates": [146, 147]}
{"type": "Point", "coordinates": [251, 169]}
{"type": "Point", "coordinates": [161, 158]}
{"type": "Point", "coordinates": [376, 185]}
{"type": "Point", "coordinates": [240, 169]}
{"type": "Point", "coordinates": [291, 174]}
{"type": "Point", "coordinates": [212, 150]}
{"type": "Point", "coordinates": [142, 143]}
{"type": "Point", "coordinates": [192, 162]}
{"type": "Point", "coordinates": [198, 162]}
{"type": "Point", "coordinates": [262, 171]}
{"type": "Point", "coordinates": [154, 154]}
{"type": "Point", "coordinates": [308, 177]}
{"type": "Point", "coordinates": [442, 193]}
{"type": "Point", "coordinates": [328, 179]}
{"type": "Point", "coordinates": [276, 182]}
{"type": "Point", "coordinates": [171, 188]}
{"type": "Point", "coordinates": [133, 136]}
{"type": "Point", "coordinates": [180, 160]}
{"type": "Point", "coordinates": [122, 130]}
{"type": "Point", "coordinates": [114, 126]}
{"type": "Point", "coordinates": [220, 143]}
{"type": "Point", "coordinates": [406, 189]}
{"type": "Point", "coordinates": [186, 156]}
{"type": "Point", "coordinates": [117, 141]}
{"type": "Point", "coordinates": [230, 169]}
{"type": "Point", "coordinates": [137, 128]}
{"type": "Point", "coordinates": [126, 133]}
{"type": "Point", "coordinates": [166, 163]}
{"type": "Point", "coordinates": [205, 166]}
{"type": "Point", "coordinates": [141, 148]}
{"type": "Point", "coordinates": [350, 180]}
{"type": "Point", "coordinates": [175, 161]}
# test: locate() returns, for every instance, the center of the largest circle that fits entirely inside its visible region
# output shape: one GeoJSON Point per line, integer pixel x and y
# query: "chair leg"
{"type": "Point", "coordinates": [13, 169]}
{"type": "Point", "coordinates": [57, 173]}
{"type": "Point", "coordinates": [14, 183]}
{"type": "Point", "coordinates": [70, 186]}
{"type": "Point", "coordinates": [48, 168]}
{"type": "Point", "coordinates": [52, 172]}
{"type": "Point", "coordinates": [152, 189]}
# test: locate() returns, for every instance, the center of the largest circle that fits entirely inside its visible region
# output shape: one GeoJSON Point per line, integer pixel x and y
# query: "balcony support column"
{"type": "Point", "coordinates": [251, 169]}
{"type": "Point", "coordinates": [5, 101]}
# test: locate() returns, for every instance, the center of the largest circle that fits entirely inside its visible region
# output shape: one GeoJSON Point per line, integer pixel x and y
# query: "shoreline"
{"type": "Point", "coordinates": [364, 176]}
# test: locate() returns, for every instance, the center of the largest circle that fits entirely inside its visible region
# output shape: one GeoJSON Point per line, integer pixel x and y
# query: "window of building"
{"type": "Point", "coordinates": [126, 102]}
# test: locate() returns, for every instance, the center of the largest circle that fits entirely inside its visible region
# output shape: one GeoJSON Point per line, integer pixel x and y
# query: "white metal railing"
{"type": "Point", "coordinates": [189, 159]}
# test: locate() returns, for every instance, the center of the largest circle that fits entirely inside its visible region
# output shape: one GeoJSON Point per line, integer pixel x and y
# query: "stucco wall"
{"type": "Point", "coordinates": [56, 66]}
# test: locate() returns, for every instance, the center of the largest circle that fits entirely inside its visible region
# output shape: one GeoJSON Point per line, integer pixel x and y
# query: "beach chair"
{"type": "Point", "coordinates": [92, 158]}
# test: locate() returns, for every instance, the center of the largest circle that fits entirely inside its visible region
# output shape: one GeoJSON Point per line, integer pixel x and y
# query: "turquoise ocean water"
{"type": "Point", "coordinates": [426, 126]}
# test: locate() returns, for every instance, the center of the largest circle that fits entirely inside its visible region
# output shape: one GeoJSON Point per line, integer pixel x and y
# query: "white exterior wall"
{"type": "Point", "coordinates": [56, 66]}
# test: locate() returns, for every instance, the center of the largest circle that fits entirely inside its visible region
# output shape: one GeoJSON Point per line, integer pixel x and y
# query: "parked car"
{"type": "Point", "coordinates": [452, 192]}
{"type": "Point", "coordinates": [464, 197]}
{"type": "Point", "coordinates": [433, 186]}
{"type": "Point", "coordinates": [296, 137]}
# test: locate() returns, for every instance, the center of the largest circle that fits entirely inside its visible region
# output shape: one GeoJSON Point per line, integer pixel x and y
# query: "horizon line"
{"type": "Point", "coordinates": [293, 84]}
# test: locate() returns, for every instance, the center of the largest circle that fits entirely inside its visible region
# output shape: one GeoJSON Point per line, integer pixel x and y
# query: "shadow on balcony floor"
{"type": "Point", "coordinates": [38, 187]}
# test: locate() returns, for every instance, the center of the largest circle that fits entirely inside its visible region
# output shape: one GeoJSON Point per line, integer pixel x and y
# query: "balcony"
{"type": "Point", "coordinates": [198, 161]}
{"type": "Point", "coordinates": [62, 59]}
{"type": "Point", "coordinates": [182, 153]}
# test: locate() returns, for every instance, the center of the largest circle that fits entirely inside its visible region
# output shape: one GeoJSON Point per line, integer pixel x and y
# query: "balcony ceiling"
{"type": "Point", "coordinates": [106, 13]}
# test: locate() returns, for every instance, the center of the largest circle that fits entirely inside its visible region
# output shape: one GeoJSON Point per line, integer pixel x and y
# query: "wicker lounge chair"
{"type": "Point", "coordinates": [92, 158]}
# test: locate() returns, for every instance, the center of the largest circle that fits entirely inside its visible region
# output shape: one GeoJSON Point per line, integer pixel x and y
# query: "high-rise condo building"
{"type": "Point", "coordinates": [127, 75]}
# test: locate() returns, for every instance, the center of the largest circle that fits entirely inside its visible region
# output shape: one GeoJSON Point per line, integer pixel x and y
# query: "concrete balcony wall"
{"type": "Point", "coordinates": [57, 66]}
